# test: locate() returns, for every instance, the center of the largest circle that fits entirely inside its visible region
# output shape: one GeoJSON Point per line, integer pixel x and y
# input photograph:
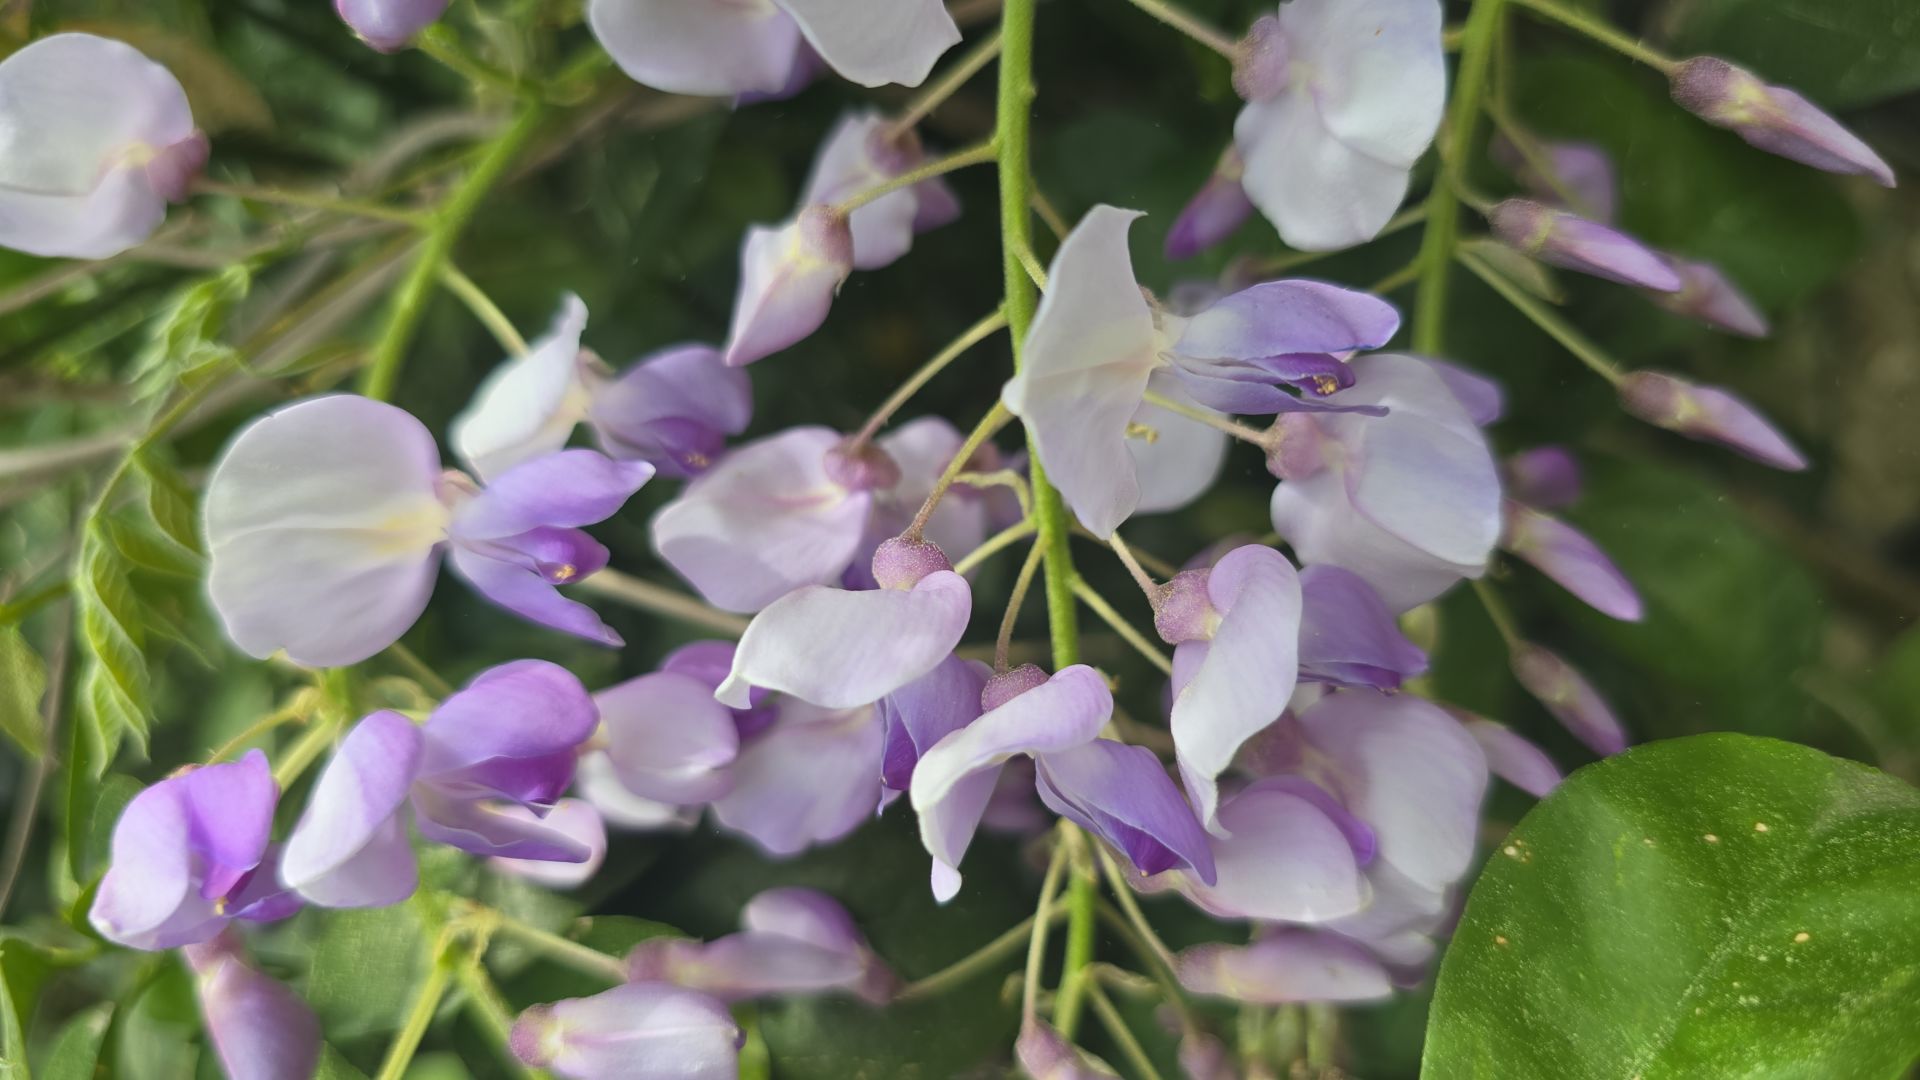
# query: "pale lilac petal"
{"type": "Point", "coordinates": [1408, 770]}
{"type": "Point", "coordinates": [1283, 968]}
{"type": "Point", "coordinates": [499, 734]}
{"type": "Point", "coordinates": [715, 50]}
{"type": "Point", "coordinates": [230, 817]}
{"type": "Point", "coordinates": [813, 916]}
{"type": "Point", "coordinates": [578, 820]}
{"type": "Point", "coordinates": [1279, 318]}
{"type": "Point", "coordinates": [1214, 213]}
{"type": "Point", "coordinates": [1044, 1054]}
{"type": "Point", "coordinates": [1182, 458]}
{"type": "Point", "coordinates": [1066, 711]}
{"type": "Point", "coordinates": [764, 521]}
{"type": "Point", "coordinates": [709, 662]}
{"type": "Point", "coordinates": [596, 781]}
{"type": "Point", "coordinates": [1566, 240]}
{"type": "Point", "coordinates": [1084, 369]}
{"type": "Point", "coordinates": [1570, 698]}
{"type": "Point", "coordinates": [1203, 1057]}
{"type": "Point", "coordinates": [1707, 296]}
{"type": "Point", "coordinates": [528, 406]}
{"type": "Point", "coordinates": [1545, 477]}
{"type": "Point", "coordinates": [322, 520]}
{"type": "Point", "coordinates": [389, 25]}
{"type": "Point", "coordinates": [924, 711]}
{"type": "Point", "coordinates": [148, 898]}
{"type": "Point", "coordinates": [668, 739]}
{"type": "Point", "coordinates": [635, 1031]}
{"type": "Point", "coordinates": [261, 1029]}
{"type": "Point", "coordinates": [1709, 414]}
{"type": "Point", "coordinates": [947, 826]}
{"type": "Point", "coordinates": [922, 448]}
{"type": "Point", "coordinates": [1283, 860]}
{"type": "Point", "coordinates": [854, 157]}
{"type": "Point", "coordinates": [528, 594]}
{"type": "Point", "coordinates": [811, 778]}
{"type": "Point", "coordinates": [673, 409]}
{"type": "Point", "coordinates": [1122, 794]}
{"type": "Point", "coordinates": [1248, 672]}
{"type": "Point", "coordinates": [1514, 759]}
{"type": "Point", "coordinates": [349, 848]}
{"type": "Point", "coordinates": [80, 117]}
{"type": "Point", "coordinates": [1347, 635]}
{"type": "Point", "coordinates": [875, 42]}
{"type": "Point", "coordinates": [789, 275]}
{"type": "Point", "coordinates": [565, 489]}
{"type": "Point", "coordinates": [740, 967]}
{"type": "Point", "coordinates": [1481, 396]}
{"type": "Point", "coordinates": [844, 649]}
{"type": "Point", "coordinates": [1564, 554]}
{"type": "Point", "coordinates": [495, 829]}
{"type": "Point", "coordinates": [1773, 118]}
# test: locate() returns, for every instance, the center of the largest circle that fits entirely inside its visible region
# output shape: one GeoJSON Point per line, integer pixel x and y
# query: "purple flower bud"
{"type": "Point", "coordinates": [636, 1031]}
{"type": "Point", "coordinates": [1579, 170]}
{"type": "Point", "coordinates": [261, 1029]}
{"type": "Point", "coordinates": [1773, 118]}
{"type": "Point", "coordinates": [1219, 208]}
{"type": "Point", "coordinates": [1182, 611]}
{"type": "Point", "coordinates": [96, 139]}
{"type": "Point", "coordinates": [674, 409]}
{"type": "Point", "coordinates": [1546, 477]}
{"type": "Point", "coordinates": [789, 276]}
{"type": "Point", "coordinates": [1007, 685]}
{"type": "Point", "coordinates": [1284, 967]}
{"type": "Point", "coordinates": [1707, 296]}
{"type": "Point", "coordinates": [1564, 554]}
{"type": "Point", "coordinates": [793, 941]}
{"type": "Point", "coordinates": [1569, 697]}
{"type": "Point", "coordinates": [1347, 635]}
{"type": "Point", "coordinates": [389, 25]}
{"type": "Point", "coordinates": [1558, 238]}
{"type": "Point", "coordinates": [1514, 759]}
{"type": "Point", "coordinates": [901, 563]}
{"type": "Point", "coordinates": [1709, 414]}
{"type": "Point", "coordinates": [1045, 1055]}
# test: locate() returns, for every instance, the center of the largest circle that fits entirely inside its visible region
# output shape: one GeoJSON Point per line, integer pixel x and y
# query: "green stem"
{"type": "Point", "coordinates": [1041, 921]}
{"type": "Point", "coordinates": [1497, 611]}
{"type": "Point", "coordinates": [308, 201]}
{"type": "Point", "coordinates": [973, 155]}
{"type": "Point", "coordinates": [1116, 1026]}
{"type": "Point", "coordinates": [985, 958]}
{"type": "Point", "coordinates": [993, 545]}
{"type": "Point", "coordinates": [425, 1003]}
{"type": "Point", "coordinates": [955, 77]}
{"type": "Point", "coordinates": [490, 1010]}
{"type": "Point", "coordinates": [968, 338]}
{"type": "Point", "coordinates": [1127, 631]}
{"type": "Point", "coordinates": [1190, 26]}
{"type": "Point", "coordinates": [1083, 894]}
{"type": "Point", "coordinates": [410, 300]}
{"type": "Point", "coordinates": [1606, 35]}
{"type": "Point", "coordinates": [562, 949]}
{"type": "Point", "coordinates": [1477, 41]}
{"type": "Point", "coordinates": [483, 309]}
{"type": "Point", "coordinates": [1559, 329]}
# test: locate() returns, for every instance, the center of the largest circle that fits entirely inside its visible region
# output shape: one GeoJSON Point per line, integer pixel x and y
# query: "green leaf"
{"type": "Point", "coordinates": [154, 1039]}
{"type": "Point", "coordinates": [183, 350]}
{"type": "Point", "coordinates": [13, 1041]}
{"type": "Point", "coordinates": [76, 1050]}
{"type": "Point", "coordinates": [1717, 906]}
{"type": "Point", "coordinates": [364, 968]}
{"type": "Point", "coordinates": [115, 697]}
{"type": "Point", "coordinates": [169, 504]}
{"type": "Point", "coordinates": [1846, 53]}
{"type": "Point", "coordinates": [23, 680]}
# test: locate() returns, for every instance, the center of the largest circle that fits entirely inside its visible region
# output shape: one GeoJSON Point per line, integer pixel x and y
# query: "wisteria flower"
{"type": "Point", "coordinates": [1565, 239]}
{"type": "Point", "coordinates": [1709, 414]}
{"type": "Point", "coordinates": [1410, 500]}
{"type": "Point", "coordinates": [1348, 636]}
{"type": "Point", "coordinates": [504, 744]}
{"type": "Point", "coordinates": [1708, 296]}
{"type": "Point", "coordinates": [1097, 341]}
{"type": "Point", "coordinates": [792, 941]}
{"type": "Point", "coordinates": [1343, 96]}
{"type": "Point", "coordinates": [1284, 967]}
{"type": "Point", "coordinates": [326, 520]}
{"type": "Point", "coordinates": [724, 49]}
{"type": "Point", "coordinates": [1513, 758]}
{"type": "Point", "coordinates": [635, 1031]}
{"type": "Point", "coordinates": [1569, 697]}
{"type": "Point", "coordinates": [576, 818]}
{"type": "Point", "coordinates": [1566, 555]}
{"type": "Point", "coordinates": [95, 141]}
{"type": "Point", "coordinates": [1773, 118]}
{"type": "Point", "coordinates": [810, 778]}
{"type": "Point", "coordinates": [1215, 212]}
{"type": "Point", "coordinates": [389, 25]}
{"type": "Point", "coordinates": [1578, 175]}
{"type": "Point", "coordinates": [191, 853]}
{"type": "Point", "coordinates": [804, 507]}
{"type": "Point", "coordinates": [260, 1028]}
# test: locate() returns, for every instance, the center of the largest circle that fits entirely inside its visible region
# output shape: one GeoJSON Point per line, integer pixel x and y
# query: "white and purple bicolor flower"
{"type": "Point", "coordinates": [1097, 343]}
{"type": "Point", "coordinates": [673, 409]}
{"type": "Point", "coordinates": [728, 48]}
{"type": "Point", "coordinates": [191, 853]}
{"type": "Point", "coordinates": [792, 941]}
{"type": "Point", "coordinates": [635, 1031]}
{"type": "Point", "coordinates": [1410, 500]}
{"type": "Point", "coordinates": [806, 507]}
{"type": "Point", "coordinates": [326, 520]}
{"type": "Point", "coordinates": [480, 775]}
{"type": "Point", "coordinates": [95, 141]}
{"type": "Point", "coordinates": [260, 1028]}
{"type": "Point", "coordinates": [1119, 793]}
{"type": "Point", "coordinates": [389, 25]}
{"type": "Point", "coordinates": [1343, 96]}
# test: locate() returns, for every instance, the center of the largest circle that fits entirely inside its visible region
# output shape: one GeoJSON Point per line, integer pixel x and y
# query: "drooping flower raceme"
{"type": "Point", "coordinates": [504, 744]}
{"type": "Point", "coordinates": [1343, 96]}
{"type": "Point", "coordinates": [792, 941]}
{"type": "Point", "coordinates": [728, 47]}
{"type": "Point", "coordinates": [325, 523]}
{"type": "Point", "coordinates": [1096, 343]}
{"type": "Point", "coordinates": [95, 140]}
{"type": "Point", "coordinates": [635, 1031]}
{"type": "Point", "coordinates": [191, 853]}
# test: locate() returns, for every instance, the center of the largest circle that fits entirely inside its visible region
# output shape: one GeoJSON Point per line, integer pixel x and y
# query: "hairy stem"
{"type": "Point", "coordinates": [1559, 329]}
{"type": "Point", "coordinates": [1606, 35]}
{"type": "Point", "coordinates": [1190, 26]}
{"type": "Point", "coordinates": [971, 336]}
{"type": "Point", "coordinates": [1128, 633]}
{"type": "Point", "coordinates": [939, 91]}
{"type": "Point", "coordinates": [985, 958]}
{"type": "Point", "coordinates": [973, 155]}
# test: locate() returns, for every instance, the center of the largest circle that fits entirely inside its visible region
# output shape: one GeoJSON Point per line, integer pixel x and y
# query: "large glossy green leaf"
{"type": "Point", "coordinates": [1715, 906]}
{"type": "Point", "coordinates": [1839, 52]}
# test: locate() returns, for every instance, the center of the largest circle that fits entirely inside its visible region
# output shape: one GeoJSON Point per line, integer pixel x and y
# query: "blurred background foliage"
{"type": "Point", "coordinates": [1778, 604]}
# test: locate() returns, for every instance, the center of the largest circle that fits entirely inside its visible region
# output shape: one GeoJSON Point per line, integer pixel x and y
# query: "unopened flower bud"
{"type": "Point", "coordinates": [788, 278]}
{"type": "Point", "coordinates": [1564, 554]}
{"type": "Point", "coordinates": [900, 563]}
{"type": "Point", "coordinates": [1182, 611]}
{"type": "Point", "coordinates": [1707, 296]}
{"type": "Point", "coordinates": [1216, 210]}
{"type": "Point", "coordinates": [1569, 697]}
{"type": "Point", "coordinates": [1260, 71]}
{"type": "Point", "coordinates": [1545, 477]}
{"type": "Point", "coordinates": [1709, 414]}
{"type": "Point", "coordinates": [861, 466]}
{"type": "Point", "coordinates": [675, 1032]}
{"type": "Point", "coordinates": [1558, 238]}
{"type": "Point", "coordinates": [389, 25]}
{"type": "Point", "coordinates": [261, 1029]}
{"type": "Point", "coordinates": [1773, 118]}
{"type": "Point", "coordinates": [1008, 685]}
{"type": "Point", "coordinates": [1045, 1055]}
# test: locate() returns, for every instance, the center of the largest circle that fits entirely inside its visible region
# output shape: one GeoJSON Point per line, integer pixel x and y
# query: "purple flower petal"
{"type": "Point", "coordinates": [565, 489]}
{"type": "Point", "coordinates": [714, 50]}
{"type": "Point", "coordinates": [1044, 1054]}
{"type": "Point", "coordinates": [1280, 318]}
{"type": "Point", "coordinates": [921, 449]}
{"type": "Point", "coordinates": [530, 595]}
{"type": "Point", "coordinates": [596, 782]}
{"type": "Point", "coordinates": [148, 898]}
{"type": "Point", "coordinates": [673, 409]}
{"type": "Point", "coordinates": [1564, 554]}
{"type": "Point", "coordinates": [1247, 674]}
{"type": "Point", "coordinates": [1084, 369]}
{"type": "Point", "coordinates": [1566, 240]}
{"type": "Point", "coordinates": [82, 116]}
{"type": "Point", "coordinates": [1123, 795]}
{"type": "Point", "coordinates": [668, 739]}
{"type": "Point", "coordinates": [789, 275]}
{"type": "Point", "coordinates": [1514, 759]}
{"type": "Point", "coordinates": [1347, 635]}
{"type": "Point", "coordinates": [1481, 396]}
{"type": "Point", "coordinates": [1773, 118]}
{"type": "Point", "coordinates": [389, 25]}
{"type": "Point", "coordinates": [1285, 967]}
{"type": "Point", "coordinates": [528, 406]}
{"type": "Point", "coordinates": [1214, 213]}
{"type": "Point", "coordinates": [1707, 296]}
{"type": "Point", "coordinates": [1545, 477]}
{"type": "Point", "coordinates": [764, 521]}
{"type": "Point", "coordinates": [230, 819]}
{"type": "Point", "coordinates": [1581, 170]}
{"type": "Point", "coordinates": [322, 520]}
{"type": "Point", "coordinates": [813, 916]}
{"type": "Point", "coordinates": [1066, 711]}
{"type": "Point", "coordinates": [811, 778]}
{"type": "Point", "coordinates": [924, 711]}
{"type": "Point", "coordinates": [578, 821]}
{"type": "Point", "coordinates": [501, 734]}
{"type": "Point", "coordinates": [1570, 698]}
{"type": "Point", "coordinates": [1709, 414]}
{"type": "Point", "coordinates": [260, 1028]}
{"type": "Point", "coordinates": [642, 1031]}
{"type": "Point", "coordinates": [1283, 859]}
{"type": "Point", "coordinates": [496, 829]}
{"type": "Point", "coordinates": [845, 649]}
{"type": "Point", "coordinates": [349, 848]}
{"type": "Point", "coordinates": [876, 42]}
{"type": "Point", "coordinates": [854, 157]}
{"type": "Point", "coordinates": [740, 967]}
